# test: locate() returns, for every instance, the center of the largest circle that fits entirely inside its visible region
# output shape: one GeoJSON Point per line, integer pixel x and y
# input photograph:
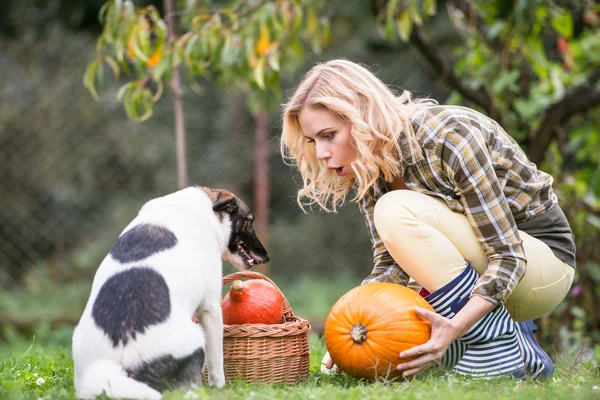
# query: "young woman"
{"type": "Point", "coordinates": [452, 204]}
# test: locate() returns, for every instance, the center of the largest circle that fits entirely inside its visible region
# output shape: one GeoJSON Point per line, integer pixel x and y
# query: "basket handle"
{"type": "Point", "coordinates": [287, 310]}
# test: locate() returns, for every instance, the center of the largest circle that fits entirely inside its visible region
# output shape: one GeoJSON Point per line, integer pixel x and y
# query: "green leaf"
{"type": "Point", "coordinates": [103, 11]}
{"type": "Point", "coordinates": [273, 61]}
{"type": "Point", "coordinates": [297, 23]}
{"type": "Point", "coordinates": [159, 69]}
{"type": "Point", "coordinates": [325, 32]}
{"type": "Point", "coordinates": [121, 93]}
{"type": "Point", "coordinates": [389, 19]}
{"type": "Point", "coordinates": [233, 18]}
{"type": "Point", "coordinates": [316, 44]}
{"type": "Point", "coordinates": [595, 222]}
{"type": "Point", "coordinates": [534, 50]}
{"type": "Point", "coordinates": [506, 80]}
{"type": "Point", "coordinates": [259, 73]}
{"type": "Point", "coordinates": [578, 312]}
{"type": "Point", "coordinates": [89, 79]}
{"type": "Point", "coordinates": [147, 105]}
{"type": "Point", "coordinates": [113, 65]}
{"type": "Point", "coordinates": [430, 7]}
{"type": "Point", "coordinates": [562, 23]}
{"type": "Point", "coordinates": [191, 46]}
{"type": "Point", "coordinates": [230, 53]}
{"type": "Point", "coordinates": [100, 75]}
{"type": "Point", "coordinates": [312, 22]}
{"type": "Point", "coordinates": [527, 108]}
{"type": "Point", "coordinates": [415, 15]}
{"type": "Point", "coordinates": [404, 24]}
{"type": "Point", "coordinates": [495, 29]}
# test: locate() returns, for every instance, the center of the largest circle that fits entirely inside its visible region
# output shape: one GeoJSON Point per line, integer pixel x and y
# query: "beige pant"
{"type": "Point", "coordinates": [431, 243]}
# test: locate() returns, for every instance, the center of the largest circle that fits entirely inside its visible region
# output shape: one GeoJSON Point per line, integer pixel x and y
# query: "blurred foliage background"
{"type": "Point", "coordinates": [75, 170]}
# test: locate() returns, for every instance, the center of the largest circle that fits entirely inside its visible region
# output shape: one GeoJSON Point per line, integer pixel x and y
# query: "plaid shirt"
{"type": "Point", "coordinates": [469, 161]}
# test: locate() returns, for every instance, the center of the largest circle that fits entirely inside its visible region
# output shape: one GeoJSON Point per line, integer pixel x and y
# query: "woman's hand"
{"type": "Point", "coordinates": [443, 333]}
{"type": "Point", "coordinates": [327, 365]}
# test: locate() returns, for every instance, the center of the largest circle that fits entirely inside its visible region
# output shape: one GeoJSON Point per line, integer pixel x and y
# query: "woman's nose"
{"type": "Point", "coordinates": [323, 153]}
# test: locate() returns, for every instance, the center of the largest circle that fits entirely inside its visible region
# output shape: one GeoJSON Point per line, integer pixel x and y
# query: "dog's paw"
{"type": "Point", "coordinates": [216, 380]}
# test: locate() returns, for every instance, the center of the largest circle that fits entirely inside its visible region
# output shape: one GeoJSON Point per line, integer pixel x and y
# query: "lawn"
{"type": "Point", "coordinates": [42, 368]}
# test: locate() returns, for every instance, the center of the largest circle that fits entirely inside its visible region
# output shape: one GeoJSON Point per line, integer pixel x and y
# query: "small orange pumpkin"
{"type": "Point", "coordinates": [369, 327]}
{"type": "Point", "coordinates": [252, 302]}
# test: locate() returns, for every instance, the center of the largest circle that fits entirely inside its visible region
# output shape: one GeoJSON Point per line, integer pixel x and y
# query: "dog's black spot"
{"type": "Point", "coordinates": [129, 302]}
{"type": "Point", "coordinates": [141, 242]}
{"type": "Point", "coordinates": [168, 372]}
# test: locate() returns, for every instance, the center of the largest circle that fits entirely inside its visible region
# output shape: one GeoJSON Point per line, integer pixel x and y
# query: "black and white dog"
{"type": "Point", "coordinates": [136, 337]}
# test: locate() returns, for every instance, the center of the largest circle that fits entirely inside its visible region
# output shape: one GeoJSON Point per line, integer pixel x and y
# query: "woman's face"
{"type": "Point", "coordinates": [331, 137]}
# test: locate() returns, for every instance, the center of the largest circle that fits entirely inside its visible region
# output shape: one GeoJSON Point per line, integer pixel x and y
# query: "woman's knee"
{"type": "Point", "coordinates": [402, 206]}
{"type": "Point", "coordinates": [390, 207]}
{"type": "Point", "coordinates": [541, 300]}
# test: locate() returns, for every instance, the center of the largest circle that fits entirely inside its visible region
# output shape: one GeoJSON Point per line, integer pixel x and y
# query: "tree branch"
{"type": "Point", "coordinates": [498, 46]}
{"type": "Point", "coordinates": [445, 71]}
{"type": "Point", "coordinates": [577, 100]}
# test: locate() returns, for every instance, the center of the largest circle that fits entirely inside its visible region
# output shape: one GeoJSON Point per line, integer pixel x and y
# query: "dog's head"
{"type": "Point", "coordinates": [243, 249]}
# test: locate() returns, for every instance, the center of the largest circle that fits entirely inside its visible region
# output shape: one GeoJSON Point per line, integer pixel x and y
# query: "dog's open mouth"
{"type": "Point", "coordinates": [245, 252]}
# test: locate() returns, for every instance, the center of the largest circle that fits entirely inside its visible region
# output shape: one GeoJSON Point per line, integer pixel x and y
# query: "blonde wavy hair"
{"type": "Point", "coordinates": [377, 117]}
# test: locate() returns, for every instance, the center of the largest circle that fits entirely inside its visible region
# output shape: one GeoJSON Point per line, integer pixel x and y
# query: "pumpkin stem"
{"type": "Point", "coordinates": [359, 333]}
{"type": "Point", "coordinates": [237, 285]}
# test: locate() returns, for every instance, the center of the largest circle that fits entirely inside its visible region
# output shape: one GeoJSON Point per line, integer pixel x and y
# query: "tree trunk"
{"type": "Point", "coordinates": [261, 181]}
{"type": "Point", "coordinates": [175, 85]}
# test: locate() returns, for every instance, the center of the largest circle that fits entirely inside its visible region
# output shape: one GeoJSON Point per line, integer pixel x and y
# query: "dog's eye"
{"type": "Point", "coordinates": [231, 209]}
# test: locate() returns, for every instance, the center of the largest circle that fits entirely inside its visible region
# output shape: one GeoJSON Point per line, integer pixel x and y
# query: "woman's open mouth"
{"type": "Point", "coordinates": [341, 171]}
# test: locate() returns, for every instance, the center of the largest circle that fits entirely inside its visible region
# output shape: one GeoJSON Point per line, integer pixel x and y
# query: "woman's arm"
{"type": "Point", "coordinates": [467, 164]}
{"type": "Point", "coordinates": [476, 179]}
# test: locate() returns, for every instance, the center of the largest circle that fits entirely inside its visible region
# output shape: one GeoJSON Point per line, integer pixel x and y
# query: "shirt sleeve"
{"type": "Point", "coordinates": [385, 269]}
{"type": "Point", "coordinates": [468, 165]}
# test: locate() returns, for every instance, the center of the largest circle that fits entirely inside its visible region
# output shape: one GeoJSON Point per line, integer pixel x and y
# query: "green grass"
{"type": "Point", "coordinates": [44, 369]}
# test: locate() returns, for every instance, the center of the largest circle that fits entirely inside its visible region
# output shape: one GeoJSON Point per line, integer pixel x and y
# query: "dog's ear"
{"type": "Point", "coordinates": [226, 204]}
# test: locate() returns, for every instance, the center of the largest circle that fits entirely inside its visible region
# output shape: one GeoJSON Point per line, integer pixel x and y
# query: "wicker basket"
{"type": "Point", "coordinates": [268, 353]}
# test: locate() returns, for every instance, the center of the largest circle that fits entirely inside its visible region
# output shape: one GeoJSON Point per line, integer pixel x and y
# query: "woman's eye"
{"type": "Point", "coordinates": [310, 141]}
{"type": "Point", "coordinates": [328, 136]}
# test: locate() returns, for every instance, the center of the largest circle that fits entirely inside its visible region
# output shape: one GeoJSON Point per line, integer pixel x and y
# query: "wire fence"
{"type": "Point", "coordinates": [74, 172]}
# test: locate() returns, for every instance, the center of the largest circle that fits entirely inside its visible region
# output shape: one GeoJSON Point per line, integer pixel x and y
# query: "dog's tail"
{"type": "Point", "coordinates": [110, 377]}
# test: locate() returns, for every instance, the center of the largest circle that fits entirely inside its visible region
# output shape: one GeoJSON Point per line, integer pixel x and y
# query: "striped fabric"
{"type": "Point", "coordinates": [490, 346]}
{"type": "Point", "coordinates": [452, 356]}
{"type": "Point", "coordinates": [495, 359]}
{"type": "Point", "coordinates": [469, 161]}
{"type": "Point", "coordinates": [537, 362]}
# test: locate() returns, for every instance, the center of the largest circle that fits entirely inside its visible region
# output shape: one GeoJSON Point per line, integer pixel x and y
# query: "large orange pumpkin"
{"type": "Point", "coordinates": [371, 325]}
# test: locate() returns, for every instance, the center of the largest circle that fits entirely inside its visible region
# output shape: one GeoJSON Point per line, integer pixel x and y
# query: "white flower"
{"type": "Point", "coordinates": [35, 374]}
{"type": "Point", "coordinates": [191, 395]}
{"type": "Point", "coordinates": [40, 381]}
{"type": "Point", "coordinates": [595, 388]}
